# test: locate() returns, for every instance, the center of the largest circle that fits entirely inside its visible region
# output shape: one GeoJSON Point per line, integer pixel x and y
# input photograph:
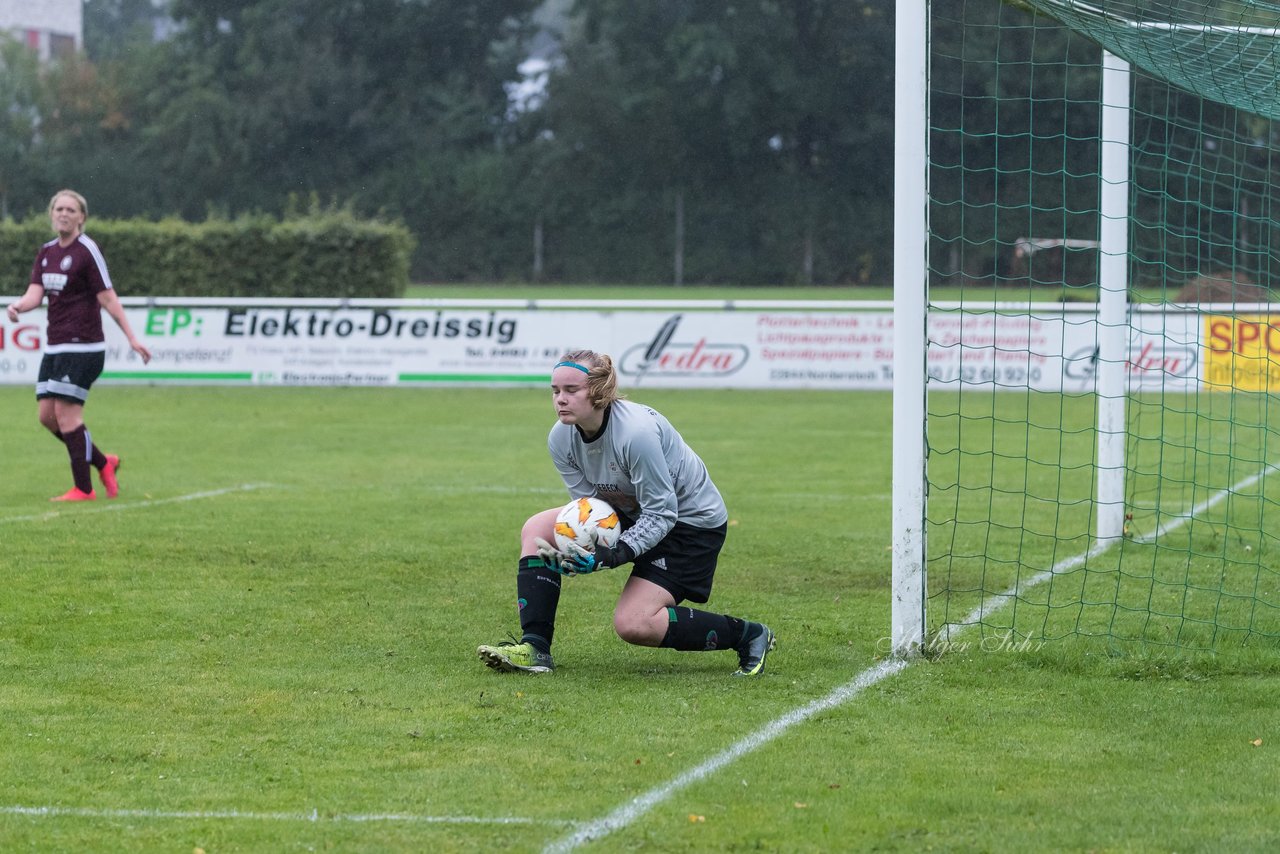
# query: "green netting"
{"type": "Point", "coordinates": [1227, 51]}
{"type": "Point", "coordinates": [1014, 334]}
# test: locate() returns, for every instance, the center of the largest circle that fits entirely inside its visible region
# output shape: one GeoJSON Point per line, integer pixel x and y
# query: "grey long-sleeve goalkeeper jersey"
{"type": "Point", "coordinates": [642, 466]}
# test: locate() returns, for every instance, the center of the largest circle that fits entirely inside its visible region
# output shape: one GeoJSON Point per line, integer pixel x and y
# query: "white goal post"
{"type": "Point", "coordinates": [910, 342]}
{"type": "Point", "coordinates": [911, 309]}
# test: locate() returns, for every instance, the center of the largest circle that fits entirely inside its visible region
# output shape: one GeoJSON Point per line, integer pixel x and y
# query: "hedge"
{"type": "Point", "coordinates": [332, 254]}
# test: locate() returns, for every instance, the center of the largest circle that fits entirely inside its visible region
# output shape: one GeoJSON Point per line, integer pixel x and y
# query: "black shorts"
{"type": "Point", "coordinates": [683, 562]}
{"type": "Point", "coordinates": [69, 375]}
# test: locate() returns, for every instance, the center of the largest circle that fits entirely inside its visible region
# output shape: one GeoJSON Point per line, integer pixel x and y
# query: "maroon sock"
{"type": "Point", "coordinates": [80, 449]}
{"type": "Point", "coordinates": [99, 459]}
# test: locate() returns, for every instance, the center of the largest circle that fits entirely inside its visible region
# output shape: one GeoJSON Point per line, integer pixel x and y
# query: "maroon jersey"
{"type": "Point", "coordinates": [72, 278]}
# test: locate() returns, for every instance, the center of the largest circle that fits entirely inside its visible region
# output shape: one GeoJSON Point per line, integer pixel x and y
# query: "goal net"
{"type": "Point", "coordinates": [1101, 385]}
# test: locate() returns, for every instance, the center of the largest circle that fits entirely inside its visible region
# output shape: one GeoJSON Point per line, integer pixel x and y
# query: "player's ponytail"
{"type": "Point", "coordinates": [602, 379]}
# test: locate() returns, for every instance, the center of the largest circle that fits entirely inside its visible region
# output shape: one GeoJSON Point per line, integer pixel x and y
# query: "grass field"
{"type": "Point", "coordinates": [943, 293]}
{"type": "Point", "coordinates": [663, 292]}
{"type": "Point", "coordinates": [267, 643]}
{"type": "Point", "coordinates": [1011, 497]}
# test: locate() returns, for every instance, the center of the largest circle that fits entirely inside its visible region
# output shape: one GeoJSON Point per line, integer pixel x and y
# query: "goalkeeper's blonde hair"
{"type": "Point", "coordinates": [602, 379]}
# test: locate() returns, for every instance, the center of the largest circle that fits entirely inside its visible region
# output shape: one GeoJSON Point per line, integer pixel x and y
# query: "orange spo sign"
{"type": "Point", "coordinates": [1242, 353]}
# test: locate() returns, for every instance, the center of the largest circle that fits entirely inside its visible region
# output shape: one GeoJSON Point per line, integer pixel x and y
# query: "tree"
{"type": "Point", "coordinates": [761, 117]}
{"type": "Point", "coordinates": [259, 99]}
{"type": "Point", "coordinates": [745, 142]}
{"type": "Point", "coordinates": [20, 95]}
{"type": "Point", "coordinates": [1011, 121]}
{"type": "Point", "coordinates": [113, 29]}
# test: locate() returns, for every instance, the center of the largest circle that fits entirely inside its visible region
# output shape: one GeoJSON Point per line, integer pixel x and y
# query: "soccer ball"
{"type": "Point", "coordinates": [587, 522]}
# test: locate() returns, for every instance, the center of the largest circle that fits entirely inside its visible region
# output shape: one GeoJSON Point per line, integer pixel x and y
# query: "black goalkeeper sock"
{"type": "Point", "coordinates": [689, 630]}
{"type": "Point", "coordinates": [538, 589]}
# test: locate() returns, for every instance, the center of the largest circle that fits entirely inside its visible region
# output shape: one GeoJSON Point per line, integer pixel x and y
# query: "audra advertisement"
{"type": "Point", "coordinates": [659, 345]}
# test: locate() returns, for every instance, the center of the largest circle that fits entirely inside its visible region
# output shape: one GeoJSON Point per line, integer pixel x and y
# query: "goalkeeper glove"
{"type": "Point", "coordinates": [579, 561]}
{"type": "Point", "coordinates": [550, 555]}
{"type": "Point", "coordinates": [574, 561]}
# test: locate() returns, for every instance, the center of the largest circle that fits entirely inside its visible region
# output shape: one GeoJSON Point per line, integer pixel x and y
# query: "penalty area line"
{"type": "Point", "coordinates": [634, 809]}
{"type": "Point", "coordinates": [639, 806]}
{"type": "Point", "coordinates": [313, 817]}
{"type": "Point", "coordinates": [1175, 521]}
{"type": "Point", "coordinates": [115, 507]}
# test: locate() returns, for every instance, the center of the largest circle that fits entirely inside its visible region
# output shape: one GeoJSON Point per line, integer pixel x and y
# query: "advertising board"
{"type": "Point", "coordinates": [837, 346]}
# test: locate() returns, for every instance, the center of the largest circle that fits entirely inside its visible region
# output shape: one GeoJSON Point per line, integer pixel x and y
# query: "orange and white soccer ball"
{"type": "Point", "coordinates": [588, 522]}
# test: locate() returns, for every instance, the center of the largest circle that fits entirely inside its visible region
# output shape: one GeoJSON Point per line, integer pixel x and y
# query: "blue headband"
{"type": "Point", "coordinates": [573, 365]}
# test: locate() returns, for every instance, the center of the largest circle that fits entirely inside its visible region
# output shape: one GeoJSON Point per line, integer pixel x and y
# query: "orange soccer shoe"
{"type": "Point", "coordinates": [74, 494]}
{"type": "Point", "coordinates": [108, 475]}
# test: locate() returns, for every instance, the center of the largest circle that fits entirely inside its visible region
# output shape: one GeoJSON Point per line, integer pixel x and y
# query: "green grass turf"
{"type": "Point", "coordinates": [267, 643]}
{"type": "Point", "coordinates": [880, 293]}
{"type": "Point", "coordinates": [651, 292]}
{"type": "Point", "coordinates": [1011, 488]}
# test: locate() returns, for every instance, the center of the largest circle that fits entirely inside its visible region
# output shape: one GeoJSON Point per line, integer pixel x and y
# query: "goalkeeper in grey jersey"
{"type": "Point", "coordinates": [673, 518]}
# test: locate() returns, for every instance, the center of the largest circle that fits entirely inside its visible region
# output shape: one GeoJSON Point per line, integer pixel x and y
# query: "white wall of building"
{"type": "Point", "coordinates": [47, 25]}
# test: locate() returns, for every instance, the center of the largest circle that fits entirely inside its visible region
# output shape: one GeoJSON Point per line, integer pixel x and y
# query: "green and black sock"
{"type": "Point", "coordinates": [691, 630]}
{"type": "Point", "coordinates": [538, 591]}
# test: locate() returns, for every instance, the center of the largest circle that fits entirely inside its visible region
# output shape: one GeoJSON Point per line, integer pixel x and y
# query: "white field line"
{"type": "Point", "coordinates": [314, 816]}
{"type": "Point", "coordinates": [1179, 521]}
{"type": "Point", "coordinates": [494, 489]}
{"type": "Point", "coordinates": [637, 807]}
{"type": "Point", "coordinates": [503, 489]}
{"type": "Point", "coordinates": [113, 506]}
{"type": "Point", "coordinates": [999, 600]}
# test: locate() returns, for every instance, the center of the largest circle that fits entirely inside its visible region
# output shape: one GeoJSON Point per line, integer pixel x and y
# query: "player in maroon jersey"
{"type": "Point", "coordinates": [72, 273]}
